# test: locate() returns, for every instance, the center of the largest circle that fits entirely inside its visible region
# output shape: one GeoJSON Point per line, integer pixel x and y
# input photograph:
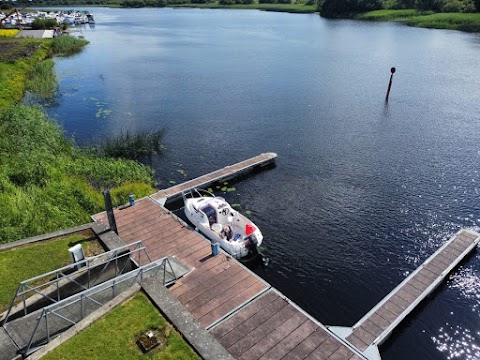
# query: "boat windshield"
{"type": "Point", "coordinates": [211, 213]}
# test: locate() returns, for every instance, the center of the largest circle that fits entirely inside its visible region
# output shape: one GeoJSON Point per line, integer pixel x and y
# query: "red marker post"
{"type": "Point", "coordinates": [392, 70]}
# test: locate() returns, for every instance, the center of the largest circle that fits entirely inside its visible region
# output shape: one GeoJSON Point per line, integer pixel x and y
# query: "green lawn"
{"type": "Point", "coordinates": [114, 336]}
{"type": "Point", "coordinates": [29, 261]}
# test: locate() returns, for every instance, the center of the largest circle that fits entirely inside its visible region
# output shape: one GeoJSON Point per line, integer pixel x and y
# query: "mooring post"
{"type": "Point", "coordinates": [392, 70]}
{"type": "Point", "coordinates": [109, 210]}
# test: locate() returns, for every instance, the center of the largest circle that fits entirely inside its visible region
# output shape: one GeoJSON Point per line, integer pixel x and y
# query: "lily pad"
{"type": "Point", "coordinates": [235, 205]}
{"type": "Point", "coordinates": [231, 189]}
{"type": "Point", "coordinates": [224, 189]}
{"type": "Point", "coordinates": [172, 182]}
{"type": "Point", "coordinates": [248, 212]}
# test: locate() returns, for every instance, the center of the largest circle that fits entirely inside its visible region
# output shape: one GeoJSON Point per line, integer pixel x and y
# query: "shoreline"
{"type": "Point", "coordinates": [465, 22]}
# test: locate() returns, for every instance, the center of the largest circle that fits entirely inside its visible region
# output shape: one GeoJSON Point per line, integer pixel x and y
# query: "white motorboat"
{"type": "Point", "coordinates": [214, 217]}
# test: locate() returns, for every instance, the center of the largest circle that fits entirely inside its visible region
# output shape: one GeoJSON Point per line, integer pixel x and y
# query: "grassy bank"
{"type": "Point", "coordinates": [114, 336]}
{"type": "Point", "coordinates": [45, 182]}
{"type": "Point", "coordinates": [451, 21]}
{"type": "Point", "coordinates": [469, 22]}
{"type": "Point", "coordinates": [388, 15]}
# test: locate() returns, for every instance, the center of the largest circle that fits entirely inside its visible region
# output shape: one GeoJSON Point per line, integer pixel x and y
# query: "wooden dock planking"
{"type": "Point", "coordinates": [237, 301]}
{"type": "Point", "coordinates": [272, 328]}
{"type": "Point", "coordinates": [164, 235]}
{"type": "Point", "coordinates": [378, 324]}
{"type": "Point", "coordinates": [252, 320]}
{"type": "Point", "coordinates": [220, 175]}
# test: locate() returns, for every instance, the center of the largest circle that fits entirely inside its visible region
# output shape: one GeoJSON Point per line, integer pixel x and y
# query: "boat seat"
{"type": "Point", "coordinates": [217, 227]}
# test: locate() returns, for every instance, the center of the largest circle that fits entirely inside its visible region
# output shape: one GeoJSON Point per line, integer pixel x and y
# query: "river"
{"type": "Point", "coordinates": [362, 192]}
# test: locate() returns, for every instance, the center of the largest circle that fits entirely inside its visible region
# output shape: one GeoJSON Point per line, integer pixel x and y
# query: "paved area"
{"type": "Point", "coordinates": [8, 349]}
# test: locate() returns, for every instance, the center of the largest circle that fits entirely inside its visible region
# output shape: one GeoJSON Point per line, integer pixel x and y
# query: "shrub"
{"type": "Point", "coordinates": [130, 145]}
{"type": "Point", "coordinates": [8, 32]}
{"type": "Point", "coordinates": [44, 24]}
{"type": "Point", "coordinates": [67, 45]}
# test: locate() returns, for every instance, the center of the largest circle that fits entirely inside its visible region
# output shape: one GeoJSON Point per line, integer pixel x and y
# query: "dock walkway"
{"type": "Point", "coordinates": [375, 327]}
{"type": "Point", "coordinates": [250, 318]}
{"type": "Point", "coordinates": [224, 174]}
{"type": "Point", "coordinates": [244, 313]}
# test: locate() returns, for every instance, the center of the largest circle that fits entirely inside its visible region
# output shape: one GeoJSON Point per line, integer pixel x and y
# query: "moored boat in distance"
{"type": "Point", "coordinates": [90, 18]}
{"type": "Point", "coordinates": [214, 217]}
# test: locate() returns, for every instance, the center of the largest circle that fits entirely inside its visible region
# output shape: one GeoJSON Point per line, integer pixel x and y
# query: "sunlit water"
{"type": "Point", "coordinates": [362, 193]}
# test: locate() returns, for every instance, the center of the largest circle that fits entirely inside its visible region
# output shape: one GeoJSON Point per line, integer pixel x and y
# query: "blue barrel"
{"type": "Point", "coordinates": [131, 198]}
{"type": "Point", "coordinates": [215, 249]}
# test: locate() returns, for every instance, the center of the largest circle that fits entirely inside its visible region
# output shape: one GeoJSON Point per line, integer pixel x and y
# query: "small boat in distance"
{"type": "Point", "coordinates": [90, 18]}
{"type": "Point", "coordinates": [214, 217]}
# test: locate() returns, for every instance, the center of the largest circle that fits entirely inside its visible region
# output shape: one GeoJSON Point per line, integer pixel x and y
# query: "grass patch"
{"type": "Point", "coordinates": [8, 32]}
{"type": "Point", "coordinates": [41, 81]}
{"type": "Point", "coordinates": [67, 45]}
{"type": "Point", "coordinates": [28, 261]}
{"type": "Point", "coordinates": [114, 336]}
{"type": "Point", "coordinates": [17, 56]}
{"type": "Point", "coordinates": [387, 15]}
{"type": "Point", "coordinates": [469, 22]}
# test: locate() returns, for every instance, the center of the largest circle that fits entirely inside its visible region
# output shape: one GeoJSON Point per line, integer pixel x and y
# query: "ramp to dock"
{"type": "Point", "coordinates": [224, 174]}
{"type": "Point", "coordinates": [34, 330]}
{"type": "Point", "coordinates": [375, 327]}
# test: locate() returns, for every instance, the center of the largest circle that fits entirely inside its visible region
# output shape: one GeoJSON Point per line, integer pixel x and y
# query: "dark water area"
{"type": "Point", "coordinates": [362, 191]}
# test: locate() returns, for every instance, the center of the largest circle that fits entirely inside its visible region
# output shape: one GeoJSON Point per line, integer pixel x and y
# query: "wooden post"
{"type": "Point", "coordinates": [392, 70]}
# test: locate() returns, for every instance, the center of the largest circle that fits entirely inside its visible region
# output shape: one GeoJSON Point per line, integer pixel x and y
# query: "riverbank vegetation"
{"type": "Point", "coordinates": [441, 14]}
{"type": "Point", "coordinates": [293, 6]}
{"type": "Point", "coordinates": [129, 145]}
{"type": "Point", "coordinates": [46, 183]}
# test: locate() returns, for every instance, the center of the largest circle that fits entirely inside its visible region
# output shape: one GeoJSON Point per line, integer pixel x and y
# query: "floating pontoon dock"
{"type": "Point", "coordinates": [375, 327]}
{"type": "Point", "coordinates": [247, 316]}
{"type": "Point", "coordinates": [224, 174]}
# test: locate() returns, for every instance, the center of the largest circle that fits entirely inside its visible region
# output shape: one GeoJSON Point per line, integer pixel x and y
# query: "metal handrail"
{"type": "Point", "coordinates": [83, 266]}
{"type": "Point", "coordinates": [53, 309]}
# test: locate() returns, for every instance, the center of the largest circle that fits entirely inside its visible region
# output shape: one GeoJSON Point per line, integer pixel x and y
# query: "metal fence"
{"type": "Point", "coordinates": [65, 313]}
{"type": "Point", "coordinates": [59, 284]}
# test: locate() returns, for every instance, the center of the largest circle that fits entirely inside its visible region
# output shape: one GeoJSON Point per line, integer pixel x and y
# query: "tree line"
{"type": "Point", "coordinates": [349, 8]}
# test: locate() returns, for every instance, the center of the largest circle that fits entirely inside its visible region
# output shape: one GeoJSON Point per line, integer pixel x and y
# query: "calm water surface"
{"type": "Point", "coordinates": [362, 193]}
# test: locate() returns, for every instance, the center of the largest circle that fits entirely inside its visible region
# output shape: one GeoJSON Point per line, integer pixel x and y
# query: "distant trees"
{"type": "Point", "coordinates": [274, 1]}
{"type": "Point", "coordinates": [143, 3]}
{"type": "Point", "coordinates": [348, 8]}
{"type": "Point", "coordinates": [235, 2]}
